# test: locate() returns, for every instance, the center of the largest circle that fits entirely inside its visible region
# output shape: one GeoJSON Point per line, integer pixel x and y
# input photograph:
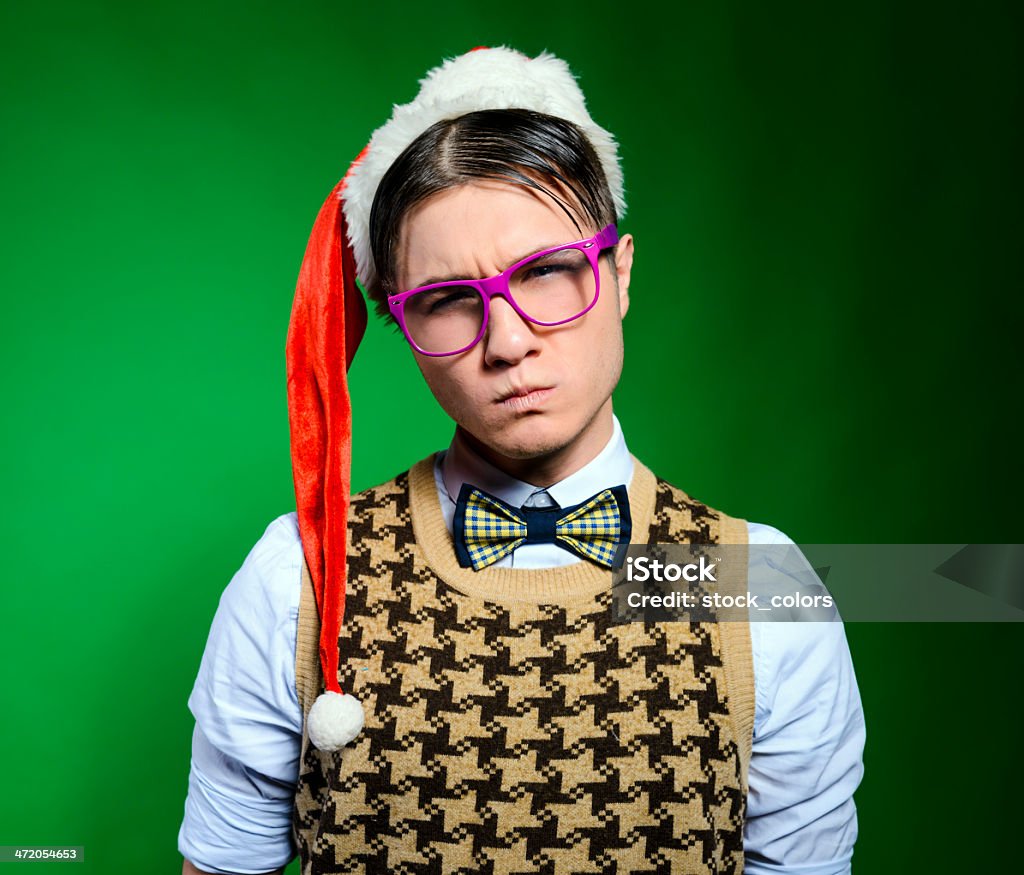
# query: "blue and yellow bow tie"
{"type": "Point", "coordinates": [488, 529]}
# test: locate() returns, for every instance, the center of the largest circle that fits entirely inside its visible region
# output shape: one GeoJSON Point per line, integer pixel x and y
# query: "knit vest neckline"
{"type": "Point", "coordinates": [567, 583]}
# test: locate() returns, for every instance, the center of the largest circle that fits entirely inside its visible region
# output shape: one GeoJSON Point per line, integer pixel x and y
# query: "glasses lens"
{"type": "Point", "coordinates": [444, 320]}
{"type": "Point", "coordinates": [555, 286]}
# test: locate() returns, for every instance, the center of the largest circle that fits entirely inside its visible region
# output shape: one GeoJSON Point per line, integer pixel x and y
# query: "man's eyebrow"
{"type": "Point", "coordinates": [451, 278]}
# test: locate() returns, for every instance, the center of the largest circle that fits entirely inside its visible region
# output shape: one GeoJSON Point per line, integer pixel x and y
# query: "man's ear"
{"type": "Point", "coordinates": [623, 269]}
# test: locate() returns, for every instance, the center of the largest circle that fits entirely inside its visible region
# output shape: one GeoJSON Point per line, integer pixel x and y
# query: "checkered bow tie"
{"type": "Point", "coordinates": [488, 529]}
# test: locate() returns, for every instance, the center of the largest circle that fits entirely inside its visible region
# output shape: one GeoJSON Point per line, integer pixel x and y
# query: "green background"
{"type": "Point", "coordinates": [827, 208]}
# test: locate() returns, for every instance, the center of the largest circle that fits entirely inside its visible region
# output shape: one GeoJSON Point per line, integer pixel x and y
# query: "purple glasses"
{"type": "Point", "coordinates": [552, 287]}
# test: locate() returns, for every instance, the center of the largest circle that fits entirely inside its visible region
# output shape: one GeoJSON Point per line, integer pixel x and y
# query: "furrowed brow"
{"type": "Point", "coordinates": [454, 278]}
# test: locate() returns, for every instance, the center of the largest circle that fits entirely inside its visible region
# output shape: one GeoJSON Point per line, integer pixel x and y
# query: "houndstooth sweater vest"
{"type": "Point", "coordinates": [510, 728]}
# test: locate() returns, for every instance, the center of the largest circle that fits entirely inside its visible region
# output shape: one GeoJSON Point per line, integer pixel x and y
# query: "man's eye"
{"type": "Point", "coordinates": [543, 270]}
{"type": "Point", "coordinates": [551, 269]}
{"type": "Point", "coordinates": [445, 301]}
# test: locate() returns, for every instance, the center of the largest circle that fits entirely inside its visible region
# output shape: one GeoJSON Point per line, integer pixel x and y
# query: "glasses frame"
{"type": "Point", "coordinates": [498, 285]}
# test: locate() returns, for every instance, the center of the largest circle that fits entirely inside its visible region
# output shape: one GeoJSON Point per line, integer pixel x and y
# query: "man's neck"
{"type": "Point", "coordinates": [550, 468]}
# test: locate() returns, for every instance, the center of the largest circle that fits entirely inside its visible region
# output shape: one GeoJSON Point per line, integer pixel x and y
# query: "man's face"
{"type": "Point", "coordinates": [525, 391]}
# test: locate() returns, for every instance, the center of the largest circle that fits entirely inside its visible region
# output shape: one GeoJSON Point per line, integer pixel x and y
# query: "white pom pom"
{"type": "Point", "coordinates": [334, 720]}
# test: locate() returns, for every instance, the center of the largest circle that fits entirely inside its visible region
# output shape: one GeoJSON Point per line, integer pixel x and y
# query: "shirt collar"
{"type": "Point", "coordinates": [612, 466]}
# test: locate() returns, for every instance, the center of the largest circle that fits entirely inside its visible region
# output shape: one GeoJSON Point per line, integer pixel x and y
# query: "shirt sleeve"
{"type": "Point", "coordinates": [808, 745]}
{"type": "Point", "coordinates": [248, 732]}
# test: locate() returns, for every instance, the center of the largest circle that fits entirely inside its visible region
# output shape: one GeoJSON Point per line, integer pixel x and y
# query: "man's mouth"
{"type": "Point", "coordinates": [525, 397]}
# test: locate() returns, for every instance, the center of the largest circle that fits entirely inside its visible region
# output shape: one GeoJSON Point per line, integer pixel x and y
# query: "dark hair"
{"type": "Point", "coordinates": [516, 145]}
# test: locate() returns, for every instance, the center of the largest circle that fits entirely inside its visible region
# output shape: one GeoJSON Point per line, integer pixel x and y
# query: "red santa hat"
{"type": "Point", "coordinates": [329, 317]}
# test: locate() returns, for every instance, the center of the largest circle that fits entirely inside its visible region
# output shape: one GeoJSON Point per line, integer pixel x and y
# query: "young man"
{"type": "Point", "coordinates": [494, 719]}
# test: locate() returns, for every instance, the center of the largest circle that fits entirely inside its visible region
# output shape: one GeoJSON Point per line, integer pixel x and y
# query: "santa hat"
{"type": "Point", "coordinates": [329, 317]}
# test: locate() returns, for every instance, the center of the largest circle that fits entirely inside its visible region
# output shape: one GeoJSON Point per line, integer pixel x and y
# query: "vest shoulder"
{"type": "Point", "coordinates": [668, 492]}
{"type": "Point", "coordinates": [674, 506]}
{"type": "Point", "coordinates": [390, 493]}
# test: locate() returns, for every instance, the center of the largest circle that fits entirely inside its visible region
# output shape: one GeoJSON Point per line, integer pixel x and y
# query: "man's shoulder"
{"type": "Point", "coordinates": [269, 572]}
{"type": "Point", "coordinates": [672, 498]}
{"type": "Point", "coordinates": [667, 488]}
{"type": "Point", "coordinates": [280, 535]}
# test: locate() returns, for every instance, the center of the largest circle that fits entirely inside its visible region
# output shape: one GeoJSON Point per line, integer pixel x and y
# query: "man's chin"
{"type": "Point", "coordinates": [532, 437]}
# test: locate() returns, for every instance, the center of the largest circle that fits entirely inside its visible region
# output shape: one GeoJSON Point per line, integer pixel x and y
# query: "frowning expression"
{"type": "Point", "coordinates": [525, 390]}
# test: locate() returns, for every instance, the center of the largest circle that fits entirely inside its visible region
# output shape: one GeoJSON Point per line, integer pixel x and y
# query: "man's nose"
{"type": "Point", "coordinates": [509, 338]}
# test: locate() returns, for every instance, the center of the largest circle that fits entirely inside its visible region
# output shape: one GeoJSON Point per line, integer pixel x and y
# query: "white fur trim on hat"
{"type": "Point", "coordinates": [334, 720]}
{"type": "Point", "coordinates": [494, 78]}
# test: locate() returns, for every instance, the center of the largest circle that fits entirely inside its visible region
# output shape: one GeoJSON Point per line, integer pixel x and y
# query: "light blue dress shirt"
{"type": "Point", "coordinates": [807, 756]}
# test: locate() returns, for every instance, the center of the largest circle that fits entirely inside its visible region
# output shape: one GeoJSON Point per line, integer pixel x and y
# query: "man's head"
{"type": "Point", "coordinates": [467, 199]}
